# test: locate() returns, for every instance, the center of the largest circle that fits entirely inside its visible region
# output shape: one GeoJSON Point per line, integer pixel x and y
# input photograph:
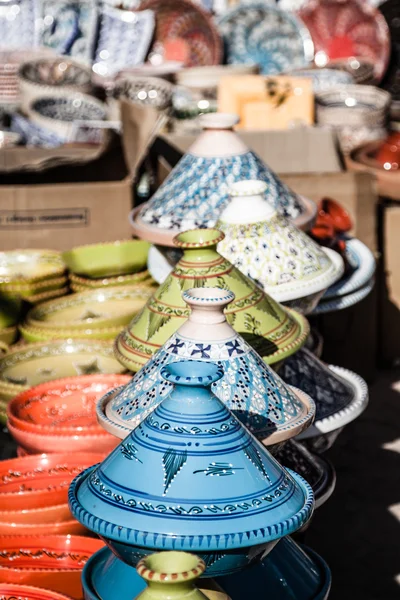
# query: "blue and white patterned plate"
{"type": "Point", "coordinates": [362, 263]}
{"type": "Point", "coordinates": [17, 24]}
{"type": "Point", "coordinates": [259, 33]}
{"type": "Point", "coordinates": [341, 302]}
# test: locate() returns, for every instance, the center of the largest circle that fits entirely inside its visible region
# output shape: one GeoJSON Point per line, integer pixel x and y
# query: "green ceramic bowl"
{"type": "Point", "coordinates": [82, 284]}
{"type": "Point", "coordinates": [29, 267]}
{"type": "Point", "coordinates": [94, 309]}
{"type": "Point", "coordinates": [107, 260]}
{"type": "Point", "coordinates": [10, 310]}
{"type": "Point", "coordinates": [28, 365]}
{"type": "Point", "coordinates": [8, 335]}
{"type": "Point", "coordinates": [33, 334]}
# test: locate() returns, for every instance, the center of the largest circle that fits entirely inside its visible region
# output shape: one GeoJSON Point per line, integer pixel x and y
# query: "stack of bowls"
{"type": "Point", "coordinates": [28, 365]}
{"type": "Point", "coordinates": [110, 264]}
{"type": "Point", "coordinates": [99, 314]}
{"type": "Point", "coordinates": [12, 591]}
{"type": "Point", "coordinates": [145, 91]}
{"type": "Point", "coordinates": [61, 414]}
{"type": "Point", "coordinates": [34, 493]}
{"type": "Point", "coordinates": [48, 561]}
{"type": "Point", "coordinates": [358, 113]}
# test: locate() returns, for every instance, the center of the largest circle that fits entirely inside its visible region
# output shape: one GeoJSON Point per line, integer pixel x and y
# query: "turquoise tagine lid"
{"type": "Point", "coordinates": [190, 477]}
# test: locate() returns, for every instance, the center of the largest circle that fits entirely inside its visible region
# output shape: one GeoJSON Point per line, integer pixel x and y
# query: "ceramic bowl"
{"type": "Point", "coordinates": [32, 134]}
{"type": "Point", "coordinates": [362, 71]}
{"type": "Point", "coordinates": [29, 267]}
{"type": "Point", "coordinates": [37, 443]}
{"type": "Point", "coordinates": [94, 309]}
{"type": "Point", "coordinates": [50, 295]}
{"type": "Point", "coordinates": [32, 334]}
{"type": "Point", "coordinates": [148, 91]}
{"type": "Point", "coordinates": [40, 480]}
{"type": "Point", "coordinates": [208, 77]}
{"type": "Point", "coordinates": [70, 527]}
{"type": "Point", "coordinates": [37, 516]}
{"type": "Point", "coordinates": [51, 76]}
{"type": "Point", "coordinates": [63, 406]}
{"type": "Point", "coordinates": [324, 79]}
{"type": "Point", "coordinates": [109, 259]}
{"type": "Point", "coordinates": [364, 159]}
{"type": "Point", "coordinates": [353, 105]}
{"type": "Point", "coordinates": [37, 290]}
{"type": "Point", "coordinates": [51, 561]}
{"type": "Point", "coordinates": [59, 114]}
{"type": "Point", "coordinates": [10, 310]}
{"type": "Point", "coordinates": [10, 591]}
{"type": "Point", "coordinates": [82, 284]}
{"type": "Point", "coordinates": [29, 365]}
{"type": "Point", "coordinates": [8, 335]}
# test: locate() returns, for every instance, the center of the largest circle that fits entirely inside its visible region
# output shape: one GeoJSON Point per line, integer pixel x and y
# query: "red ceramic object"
{"type": "Point", "coordinates": [10, 591]}
{"type": "Point", "coordinates": [49, 561]}
{"type": "Point", "coordinates": [40, 480]}
{"type": "Point", "coordinates": [323, 230]}
{"type": "Point", "coordinates": [388, 155]}
{"type": "Point", "coordinates": [71, 527]}
{"type": "Point", "coordinates": [63, 406]}
{"type": "Point", "coordinates": [188, 22]}
{"type": "Point", "coordinates": [37, 516]}
{"type": "Point", "coordinates": [339, 217]}
{"type": "Point", "coordinates": [347, 28]}
{"type": "Point", "coordinates": [35, 443]}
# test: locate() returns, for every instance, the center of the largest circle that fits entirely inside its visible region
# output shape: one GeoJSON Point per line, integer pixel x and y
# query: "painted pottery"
{"type": "Point", "coordinates": [148, 91]}
{"type": "Point", "coordinates": [50, 561]}
{"type": "Point", "coordinates": [32, 334]}
{"type": "Point", "coordinates": [171, 575]}
{"type": "Point", "coordinates": [82, 284]}
{"type": "Point", "coordinates": [341, 302]}
{"type": "Point", "coordinates": [249, 387]}
{"type": "Point", "coordinates": [107, 260]}
{"type": "Point", "coordinates": [275, 332]}
{"type": "Point", "coordinates": [340, 395]}
{"type": "Point", "coordinates": [94, 309]}
{"type": "Point", "coordinates": [288, 572]}
{"type": "Point", "coordinates": [263, 34]}
{"type": "Point", "coordinates": [10, 590]}
{"type": "Point", "coordinates": [388, 155]}
{"type": "Point", "coordinates": [202, 460]}
{"type": "Point", "coordinates": [42, 480]}
{"type": "Point", "coordinates": [347, 29]}
{"type": "Point", "coordinates": [70, 527]}
{"type": "Point", "coordinates": [196, 191]}
{"type": "Point", "coordinates": [316, 470]}
{"type": "Point", "coordinates": [364, 159]}
{"type": "Point", "coordinates": [8, 335]}
{"type": "Point", "coordinates": [28, 267]}
{"type": "Point", "coordinates": [29, 365]}
{"type": "Point", "coordinates": [323, 79]}
{"type": "Point", "coordinates": [63, 406]}
{"type": "Point", "coordinates": [271, 251]}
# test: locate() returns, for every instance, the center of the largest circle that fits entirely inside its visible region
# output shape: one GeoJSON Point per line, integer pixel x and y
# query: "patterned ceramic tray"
{"type": "Point", "coordinates": [362, 268]}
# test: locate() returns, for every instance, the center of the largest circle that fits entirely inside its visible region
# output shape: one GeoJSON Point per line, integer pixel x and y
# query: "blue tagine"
{"type": "Point", "coordinates": [191, 477]}
{"type": "Point", "coordinates": [273, 411]}
{"type": "Point", "coordinates": [196, 190]}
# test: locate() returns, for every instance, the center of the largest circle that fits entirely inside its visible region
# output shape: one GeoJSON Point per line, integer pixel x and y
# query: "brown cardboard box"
{"type": "Point", "coordinates": [71, 196]}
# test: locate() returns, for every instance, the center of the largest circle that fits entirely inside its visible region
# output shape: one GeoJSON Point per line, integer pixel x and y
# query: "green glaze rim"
{"type": "Point", "coordinates": [214, 237]}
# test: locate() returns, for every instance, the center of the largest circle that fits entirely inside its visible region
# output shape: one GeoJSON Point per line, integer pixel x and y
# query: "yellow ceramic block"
{"type": "Point", "coordinates": [267, 102]}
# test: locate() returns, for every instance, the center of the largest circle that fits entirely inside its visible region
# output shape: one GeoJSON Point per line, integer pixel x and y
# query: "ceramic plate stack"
{"type": "Point", "coordinates": [356, 283]}
{"type": "Point", "coordinates": [358, 113]}
{"type": "Point", "coordinates": [106, 265]}
{"type": "Point", "coordinates": [262, 34]}
{"type": "Point", "coordinates": [61, 414]}
{"type": "Point", "coordinates": [145, 91]}
{"type": "Point", "coordinates": [98, 314]}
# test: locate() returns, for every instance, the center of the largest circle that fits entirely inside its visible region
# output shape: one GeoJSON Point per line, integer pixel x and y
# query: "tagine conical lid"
{"type": "Point", "coordinates": [274, 331]}
{"type": "Point", "coordinates": [191, 476]}
{"type": "Point", "coordinates": [196, 191]}
{"type": "Point", "coordinates": [271, 250]}
{"type": "Point", "coordinates": [272, 411]}
{"type": "Point", "coordinates": [339, 394]}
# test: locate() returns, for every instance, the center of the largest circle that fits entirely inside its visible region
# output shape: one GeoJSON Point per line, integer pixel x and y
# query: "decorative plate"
{"type": "Point", "coordinates": [187, 22]}
{"type": "Point", "coordinates": [124, 39]}
{"type": "Point", "coordinates": [28, 267]}
{"type": "Point", "coordinates": [17, 24]}
{"type": "Point", "coordinates": [262, 34]}
{"type": "Point", "coordinates": [362, 267]}
{"type": "Point", "coordinates": [346, 29]}
{"type": "Point", "coordinates": [341, 302]}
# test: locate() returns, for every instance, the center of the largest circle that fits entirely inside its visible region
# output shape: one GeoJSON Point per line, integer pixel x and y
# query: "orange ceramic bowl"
{"type": "Point", "coordinates": [35, 443]}
{"type": "Point", "coordinates": [71, 527]}
{"type": "Point", "coordinates": [40, 480]}
{"type": "Point", "coordinates": [49, 561]}
{"type": "Point", "coordinates": [10, 591]}
{"type": "Point", "coordinates": [36, 516]}
{"type": "Point", "coordinates": [63, 406]}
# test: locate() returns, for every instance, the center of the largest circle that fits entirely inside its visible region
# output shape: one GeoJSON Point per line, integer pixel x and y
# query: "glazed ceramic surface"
{"type": "Point", "coordinates": [361, 267]}
{"type": "Point", "coordinates": [30, 365]}
{"type": "Point", "coordinates": [149, 91]}
{"type": "Point", "coordinates": [9, 591]}
{"type": "Point", "coordinates": [341, 302]}
{"type": "Point", "coordinates": [273, 331]}
{"type": "Point", "coordinates": [107, 260]}
{"type": "Point", "coordinates": [346, 29]}
{"type": "Point", "coordinates": [251, 389]}
{"type": "Point", "coordinates": [202, 460]}
{"type": "Point", "coordinates": [324, 79]}
{"type": "Point", "coordinates": [32, 134]}
{"type": "Point", "coordinates": [171, 575]}
{"type": "Point", "coordinates": [27, 267]}
{"type": "Point", "coordinates": [265, 35]}
{"type": "Point", "coordinates": [196, 191]}
{"type": "Point", "coordinates": [124, 39]}
{"type": "Point", "coordinates": [340, 395]}
{"type": "Point", "coordinates": [271, 251]}
{"type": "Point", "coordinates": [50, 561]}
{"type": "Point", "coordinates": [62, 406]}
{"type": "Point", "coordinates": [90, 310]}
{"type": "Point", "coordinates": [82, 284]}
{"type": "Point", "coordinates": [198, 40]}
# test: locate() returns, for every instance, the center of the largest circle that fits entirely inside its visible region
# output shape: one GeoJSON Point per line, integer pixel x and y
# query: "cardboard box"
{"type": "Point", "coordinates": [70, 196]}
{"type": "Point", "coordinates": [389, 299]}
